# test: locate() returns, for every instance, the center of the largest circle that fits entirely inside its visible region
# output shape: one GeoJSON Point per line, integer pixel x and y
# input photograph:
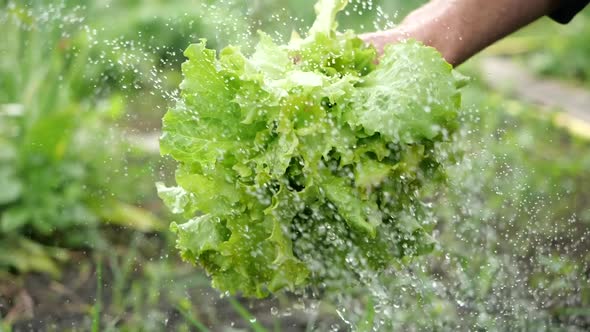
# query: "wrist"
{"type": "Point", "coordinates": [438, 34]}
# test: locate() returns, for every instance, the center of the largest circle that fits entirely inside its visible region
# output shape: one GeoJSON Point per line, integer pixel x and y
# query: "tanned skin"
{"type": "Point", "coordinates": [461, 28]}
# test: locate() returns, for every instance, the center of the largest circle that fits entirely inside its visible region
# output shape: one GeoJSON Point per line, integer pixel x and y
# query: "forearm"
{"type": "Point", "coordinates": [461, 28]}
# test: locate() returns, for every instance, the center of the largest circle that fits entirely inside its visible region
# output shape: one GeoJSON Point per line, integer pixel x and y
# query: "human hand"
{"type": "Point", "coordinates": [380, 39]}
{"type": "Point", "coordinates": [459, 29]}
{"type": "Point", "coordinates": [417, 25]}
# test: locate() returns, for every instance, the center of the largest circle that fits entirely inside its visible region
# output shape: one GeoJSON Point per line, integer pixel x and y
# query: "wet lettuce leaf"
{"type": "Point", "coordinates": [305, 160]}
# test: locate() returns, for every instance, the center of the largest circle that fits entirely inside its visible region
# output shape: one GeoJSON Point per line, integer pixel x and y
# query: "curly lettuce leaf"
{"type": "Point", "coordinates": [419, 104]}
{"type": "Point", "coordinates": [303, 163]}
{"type": "Point", "coordinates": [326, 11]}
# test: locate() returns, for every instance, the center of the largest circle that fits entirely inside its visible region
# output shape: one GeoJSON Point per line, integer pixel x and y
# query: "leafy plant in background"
{"type": "Point", "coordinates": [307, 171]}
{"type": "Point", "coordinates": [134, 46]}
{"type": "Point", "coordinates": [553, 49]}
{"type": "Point", "coordinates": [565, 54]}
{"type": "Point", "coordinates": [59, 172]}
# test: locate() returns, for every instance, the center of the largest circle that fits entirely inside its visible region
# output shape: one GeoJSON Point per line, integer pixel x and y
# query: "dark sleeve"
{"type": "Point", "coordinates": [568, 9]}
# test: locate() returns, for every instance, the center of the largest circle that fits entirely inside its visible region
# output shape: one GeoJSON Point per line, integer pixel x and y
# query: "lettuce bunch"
{"type": "Point", "coordinates": [304, 160]}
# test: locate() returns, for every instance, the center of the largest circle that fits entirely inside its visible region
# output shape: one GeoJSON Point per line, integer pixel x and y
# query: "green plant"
{"type": "Point", "coordinates": [4, 327]}
{"type": "Point", "coordinates": [246, 316]}
{"type": "Point", "coordinates": [191, 319]}
{"type": "Point", "coordinates": [565, 52]}
{"type": "Point", "coordinates": [309, 167]}
{"type": "Point", "coordinates": [58, 166]}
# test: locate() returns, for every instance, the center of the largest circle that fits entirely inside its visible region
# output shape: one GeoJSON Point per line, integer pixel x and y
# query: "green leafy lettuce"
{"type": "Point", "coordinates": [303, 162]}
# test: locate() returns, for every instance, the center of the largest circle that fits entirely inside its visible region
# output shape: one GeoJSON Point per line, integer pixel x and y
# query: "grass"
{"type": "Point", "coordinates": [4, 327]}
{"type": "Point", "coordinates": [367, 323]}
{"type": "Point", "coordinates": [247, 316]}
{"type": "Point", "coordinates": [97, 308]}
{"type": "Point", "coordinates": [190, 318]}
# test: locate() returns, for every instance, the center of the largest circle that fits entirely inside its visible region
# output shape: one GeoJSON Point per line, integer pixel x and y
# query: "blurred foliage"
{"type": "Point", "coordinates": [566, 52]}
{"type": "Point", "coordinates": [516, 220]}
{"type": "Point", "coordinates": [59, 170]}
{"type": "Point", "coordinates": [139, 44]}
{"type": "Point", "coordinates": [553, 49]}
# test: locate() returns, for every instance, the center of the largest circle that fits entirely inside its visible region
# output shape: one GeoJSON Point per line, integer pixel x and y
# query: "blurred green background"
{"type": "Point", "coordinates": [84, 241]}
